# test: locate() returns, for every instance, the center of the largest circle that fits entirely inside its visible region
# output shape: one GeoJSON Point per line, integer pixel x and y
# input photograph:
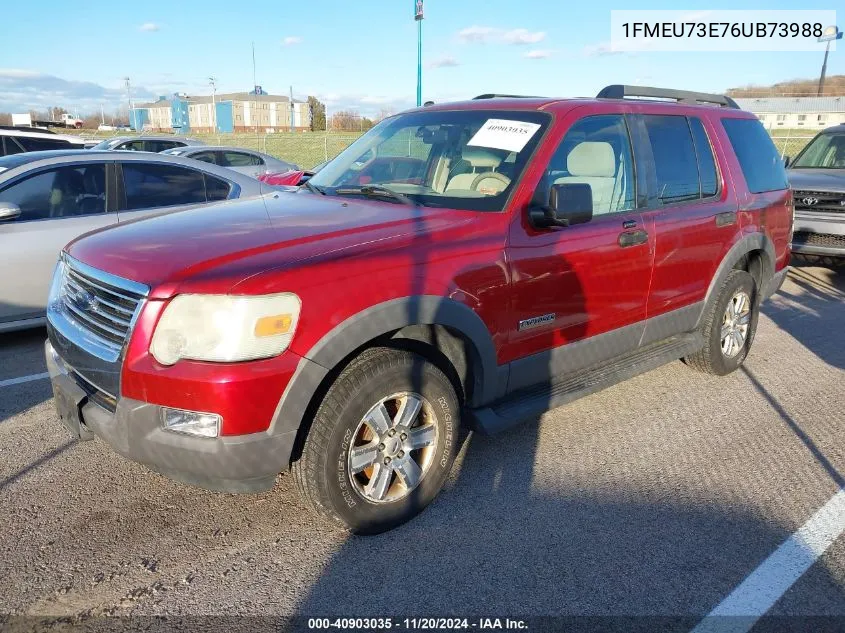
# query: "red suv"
{"type": "Point", "coordinates": [464, 265]}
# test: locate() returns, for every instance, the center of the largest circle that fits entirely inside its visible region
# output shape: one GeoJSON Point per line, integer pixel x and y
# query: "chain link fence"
{"type": "Point", "coordinates": [308, 149]}
{"type": "Point", "coordinates": [304, 149]}
{"type": "Point", "coordinates": [790, 143]}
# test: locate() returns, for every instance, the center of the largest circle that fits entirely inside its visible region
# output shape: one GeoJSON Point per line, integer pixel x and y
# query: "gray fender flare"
{"type": "Point", "coordinates": [754, 242]}
{"type": "Point", "coordinates": [376, 321]}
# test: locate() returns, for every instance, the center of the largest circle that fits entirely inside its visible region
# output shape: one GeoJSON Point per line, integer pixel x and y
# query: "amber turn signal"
{"type": "Point", "coordinates": [273, 325]}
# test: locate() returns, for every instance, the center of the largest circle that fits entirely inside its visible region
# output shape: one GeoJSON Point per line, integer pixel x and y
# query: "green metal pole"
{"type": "Point", "coordinates": [419, 63]}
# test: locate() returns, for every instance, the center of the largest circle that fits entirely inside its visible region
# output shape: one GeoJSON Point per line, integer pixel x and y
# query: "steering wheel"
{"type": "Point", "coordinates": [487, 175]}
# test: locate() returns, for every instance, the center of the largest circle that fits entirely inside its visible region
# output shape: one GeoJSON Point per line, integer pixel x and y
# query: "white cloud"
{"type": "Point", "coordinates": [149, 27]}
{"type": "Point", "coordinates": [23, 90]}
{"type": "Point", "coordinates": [444, 62]}
{"type": "Point", "coordinates": [292, 40]}
{"type": "Point", "coordinates": [523, 36]}
{"type": "Point", "coordinates": [18, 73]}
{"type": "Point", "coordinates": [602, 49]}
{"type": "Point", "coordinates": [477, 33]}
{"type": "Point", "coordinates": [365, 105]}
{"type": "Point", "coordinates": [538, 54]}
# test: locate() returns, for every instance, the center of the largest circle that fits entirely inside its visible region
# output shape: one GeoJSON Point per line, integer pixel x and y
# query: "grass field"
{"type": "Point", "coordinates": [308, 149]}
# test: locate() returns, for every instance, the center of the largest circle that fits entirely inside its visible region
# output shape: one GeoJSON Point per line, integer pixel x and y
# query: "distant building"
{"type": "Point", "coordinates": [813, 113]}
{"type": "Point", "coordinates": [232, 112]}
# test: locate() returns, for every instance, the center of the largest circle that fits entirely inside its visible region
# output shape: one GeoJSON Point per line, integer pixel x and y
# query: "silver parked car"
{"type": "Point", "coordinates": [49, 198]}
{"type": "Point", "coordinates": [246, 161]}
{"type": "Point", "coordinates": [149, 143]}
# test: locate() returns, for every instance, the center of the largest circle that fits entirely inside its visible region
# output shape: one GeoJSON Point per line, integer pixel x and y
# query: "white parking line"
{"type": "Point", "coordinates": [16, 381]}
{"type": "Point", "coordinates": [775, 575]}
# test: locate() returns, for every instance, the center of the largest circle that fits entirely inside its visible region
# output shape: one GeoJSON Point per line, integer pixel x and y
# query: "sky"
{"type": "Point", "coordinates": [353, 55]}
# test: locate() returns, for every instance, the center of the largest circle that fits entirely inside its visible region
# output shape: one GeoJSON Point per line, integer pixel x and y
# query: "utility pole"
{"type": "Point", "coordinates": [829, 34]}
{"type": "Point", "coordinates": [255, 88]}
{"type": "Point", "coordinates": [129, 95]}
{"type": "Point", "coordinates": [292, 121]}
{"type": "Point", "coordinates": [212, 81]}
{"type": "Point", "coordinates": [418, 16]}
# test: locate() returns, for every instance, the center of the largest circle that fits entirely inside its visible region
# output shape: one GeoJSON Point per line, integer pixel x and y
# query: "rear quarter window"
{"type": "Point", "coordinates": [758, 158]}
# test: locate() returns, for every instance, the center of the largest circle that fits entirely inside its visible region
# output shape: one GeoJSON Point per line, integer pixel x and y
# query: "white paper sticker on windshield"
{"type": "Point", "coordinates": [503, 134]}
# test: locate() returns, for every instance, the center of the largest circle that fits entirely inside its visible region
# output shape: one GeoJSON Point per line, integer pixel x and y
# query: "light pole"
{"type": "Point", "coordinates": [418, 16]}
{"type": "Point", "coordinates": [829, 34]}
{"type": "Point", "coordinates": [129, 95]}
{"type": "Point", "coordinates": [212, 81]}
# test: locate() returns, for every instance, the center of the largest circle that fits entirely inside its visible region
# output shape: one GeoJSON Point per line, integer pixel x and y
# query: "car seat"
{"type": "Point", "coordinates": [483, 177]}
{"type": "Point", "coordinates": [593, 163]}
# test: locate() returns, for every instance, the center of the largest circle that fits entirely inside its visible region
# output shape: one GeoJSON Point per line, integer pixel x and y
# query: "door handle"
{"type": "Point", "coordinates": [725, 219]}
{"type": "Point", "coordinates": [632, 238]}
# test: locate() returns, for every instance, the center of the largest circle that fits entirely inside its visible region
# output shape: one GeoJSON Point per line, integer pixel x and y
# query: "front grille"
{"type": "Point", "coordinates": [826, 201]}
{"type": "Point", "coordinates": [101, 305]}
{"type": "Point", "coordinates": [819, 239]}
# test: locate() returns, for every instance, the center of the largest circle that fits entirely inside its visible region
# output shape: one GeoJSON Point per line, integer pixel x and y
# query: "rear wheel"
{"type": "Point", "coordinates": [382, 442]}
{"type": "Point", "coordinates": [729, 326]}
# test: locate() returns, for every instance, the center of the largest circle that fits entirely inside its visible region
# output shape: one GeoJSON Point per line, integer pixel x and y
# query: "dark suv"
{"type": "Point", "coordinates": [524, 252]}
{"type": "Point", "coordinates": [817, 176]}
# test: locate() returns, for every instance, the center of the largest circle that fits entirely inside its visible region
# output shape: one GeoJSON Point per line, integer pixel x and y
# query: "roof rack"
{"type": "Point", "coordinates": [618, 91]}
{"type": "Point", "coordinates": [498, 96]}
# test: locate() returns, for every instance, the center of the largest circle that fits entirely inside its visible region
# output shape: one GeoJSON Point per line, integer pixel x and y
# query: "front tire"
{"type": "Point", "coordinates": [382, 442]}
{"type": "Point", "coordinates": [729, 326]}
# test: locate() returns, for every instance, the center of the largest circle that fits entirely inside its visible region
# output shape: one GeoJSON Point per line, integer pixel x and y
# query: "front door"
{"type": "Point", "coordinates": [580, 292]}
{"type": "Point", "coordinates": [56, 205]}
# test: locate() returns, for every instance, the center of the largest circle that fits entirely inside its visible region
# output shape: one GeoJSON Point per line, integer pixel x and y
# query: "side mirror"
{"type": "Point", "coordinates": [786, 161]}
{"type": "Point", "coordinates": [9, 211]}
{"type": "Point", "coordinates": [569, 204]}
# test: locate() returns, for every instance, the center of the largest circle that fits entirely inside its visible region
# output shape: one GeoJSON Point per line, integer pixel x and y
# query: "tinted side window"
{"type": "Point", "coordinates": [216, 188]}
{"type": "Point", "coordinates": [149, 186]}
{"type": "Point", "coordinates": [160, 146]}
{"type": "Point", "coordinates": [206, 157]}
{"type": "Point", "coordinates": [595, 151]}
{"type": "Point", "coordinates": [11, 146]}
{"type": "Point", "coordinates": [132, 146]}
{"type": "Point", "coordinates": [674, 158]}
{"type": "Point", "coordinates": [239, 159]}
{"type": "Point", "coordinates": [59, 193]}
{"type": "Point", "coordinates": [706, 162]}
{"type": "Point", "coordinates": [40, 144]}
{"type": "Point", "coordinates": [761, 165]}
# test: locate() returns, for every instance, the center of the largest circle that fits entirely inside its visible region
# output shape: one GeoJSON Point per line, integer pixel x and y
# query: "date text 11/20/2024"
{"type": "Point", "coordinates": [421, 624]}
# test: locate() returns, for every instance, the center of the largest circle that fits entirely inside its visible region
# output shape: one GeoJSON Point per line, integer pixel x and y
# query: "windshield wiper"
{"type": "Point", "coordinates": [307, 184]}
{"type": "Point", "coordinates": [375, 191]}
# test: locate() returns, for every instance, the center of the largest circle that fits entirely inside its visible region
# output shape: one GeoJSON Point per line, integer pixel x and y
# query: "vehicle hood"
{"type": "Point", "coordinates": [817, 179]}
{"type": "Point", "coordinates": [219, 244]}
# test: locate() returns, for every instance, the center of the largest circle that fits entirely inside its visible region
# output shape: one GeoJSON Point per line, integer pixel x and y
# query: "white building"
{"type": "Point", "coordinates": [812, 113]}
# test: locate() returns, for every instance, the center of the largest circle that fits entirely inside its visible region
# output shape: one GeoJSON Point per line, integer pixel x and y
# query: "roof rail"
{"type": "Point", "coordinates": [498, 96]}
{"type": "Point", "coordinates": [619, 91]}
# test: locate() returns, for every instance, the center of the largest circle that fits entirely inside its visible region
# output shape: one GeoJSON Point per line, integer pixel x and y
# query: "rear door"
{"type": "Point", "coordinates": [57, 205]}
{"type": "Point", "coordinates": [148, 188]}
{"type": "Point", "coordinates": [693, 210]}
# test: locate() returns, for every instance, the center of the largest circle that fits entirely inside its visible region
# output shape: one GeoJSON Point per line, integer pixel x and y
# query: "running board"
{"type": "Point", "coordinates": [534, 401]}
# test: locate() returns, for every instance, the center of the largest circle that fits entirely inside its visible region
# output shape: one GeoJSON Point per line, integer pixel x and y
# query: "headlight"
{"type": "Point", "coordinates": [225, 328]}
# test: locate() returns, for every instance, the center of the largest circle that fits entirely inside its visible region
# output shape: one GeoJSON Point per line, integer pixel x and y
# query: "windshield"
{"type": "Point", "coordinates": [826, 151]}
{"type": "Point", "coordinates": [461, 159]}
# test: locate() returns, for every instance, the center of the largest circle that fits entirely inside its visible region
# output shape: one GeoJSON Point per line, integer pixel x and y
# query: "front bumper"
{"type": "Point", "coordinates": [819, 234]}
{"type": "Point", "coordinates": [240, 463]}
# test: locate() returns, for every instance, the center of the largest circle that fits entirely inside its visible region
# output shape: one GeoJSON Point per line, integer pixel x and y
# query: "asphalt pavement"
{"type": "Point", "coordinates": [655, 498]}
